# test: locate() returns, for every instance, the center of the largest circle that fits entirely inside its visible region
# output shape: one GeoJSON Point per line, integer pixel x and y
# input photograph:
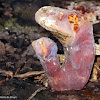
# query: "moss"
{"type": "Point", "coordinates": [12, 24]}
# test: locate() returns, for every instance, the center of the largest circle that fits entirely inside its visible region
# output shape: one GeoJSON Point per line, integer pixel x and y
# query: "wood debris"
{"type": "Point", "coordinates": [28, 74]}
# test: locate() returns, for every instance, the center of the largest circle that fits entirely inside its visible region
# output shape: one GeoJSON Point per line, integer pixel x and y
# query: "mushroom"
{"type": "Point", "coordinates": [75, 33]}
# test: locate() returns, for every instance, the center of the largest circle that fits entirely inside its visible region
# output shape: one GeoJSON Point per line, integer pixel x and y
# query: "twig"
{"type": "Point", "coordinates": [97, 67]}
{"type": "Point", "coordinates": [97, 49]}
{"type": "Point", "coordinates": [6, 73]}
{"type": "Point", "coordinates": [33, 94]}
{"type": "Point", "coordinates": [29, 74]}
{"type": "Point", "coordinates": [17, 71]}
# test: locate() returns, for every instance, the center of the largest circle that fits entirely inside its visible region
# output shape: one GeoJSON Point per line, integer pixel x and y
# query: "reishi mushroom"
{"type": "Point", "coordinates": [75, 33]}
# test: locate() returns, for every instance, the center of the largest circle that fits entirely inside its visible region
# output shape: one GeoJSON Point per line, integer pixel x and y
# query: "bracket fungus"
{"type": "Point", "coordinates": [75, 33]}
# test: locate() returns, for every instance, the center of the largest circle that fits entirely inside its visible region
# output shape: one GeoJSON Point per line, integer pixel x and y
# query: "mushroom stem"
{"type": "Point", "coordinates": [75, 33]}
